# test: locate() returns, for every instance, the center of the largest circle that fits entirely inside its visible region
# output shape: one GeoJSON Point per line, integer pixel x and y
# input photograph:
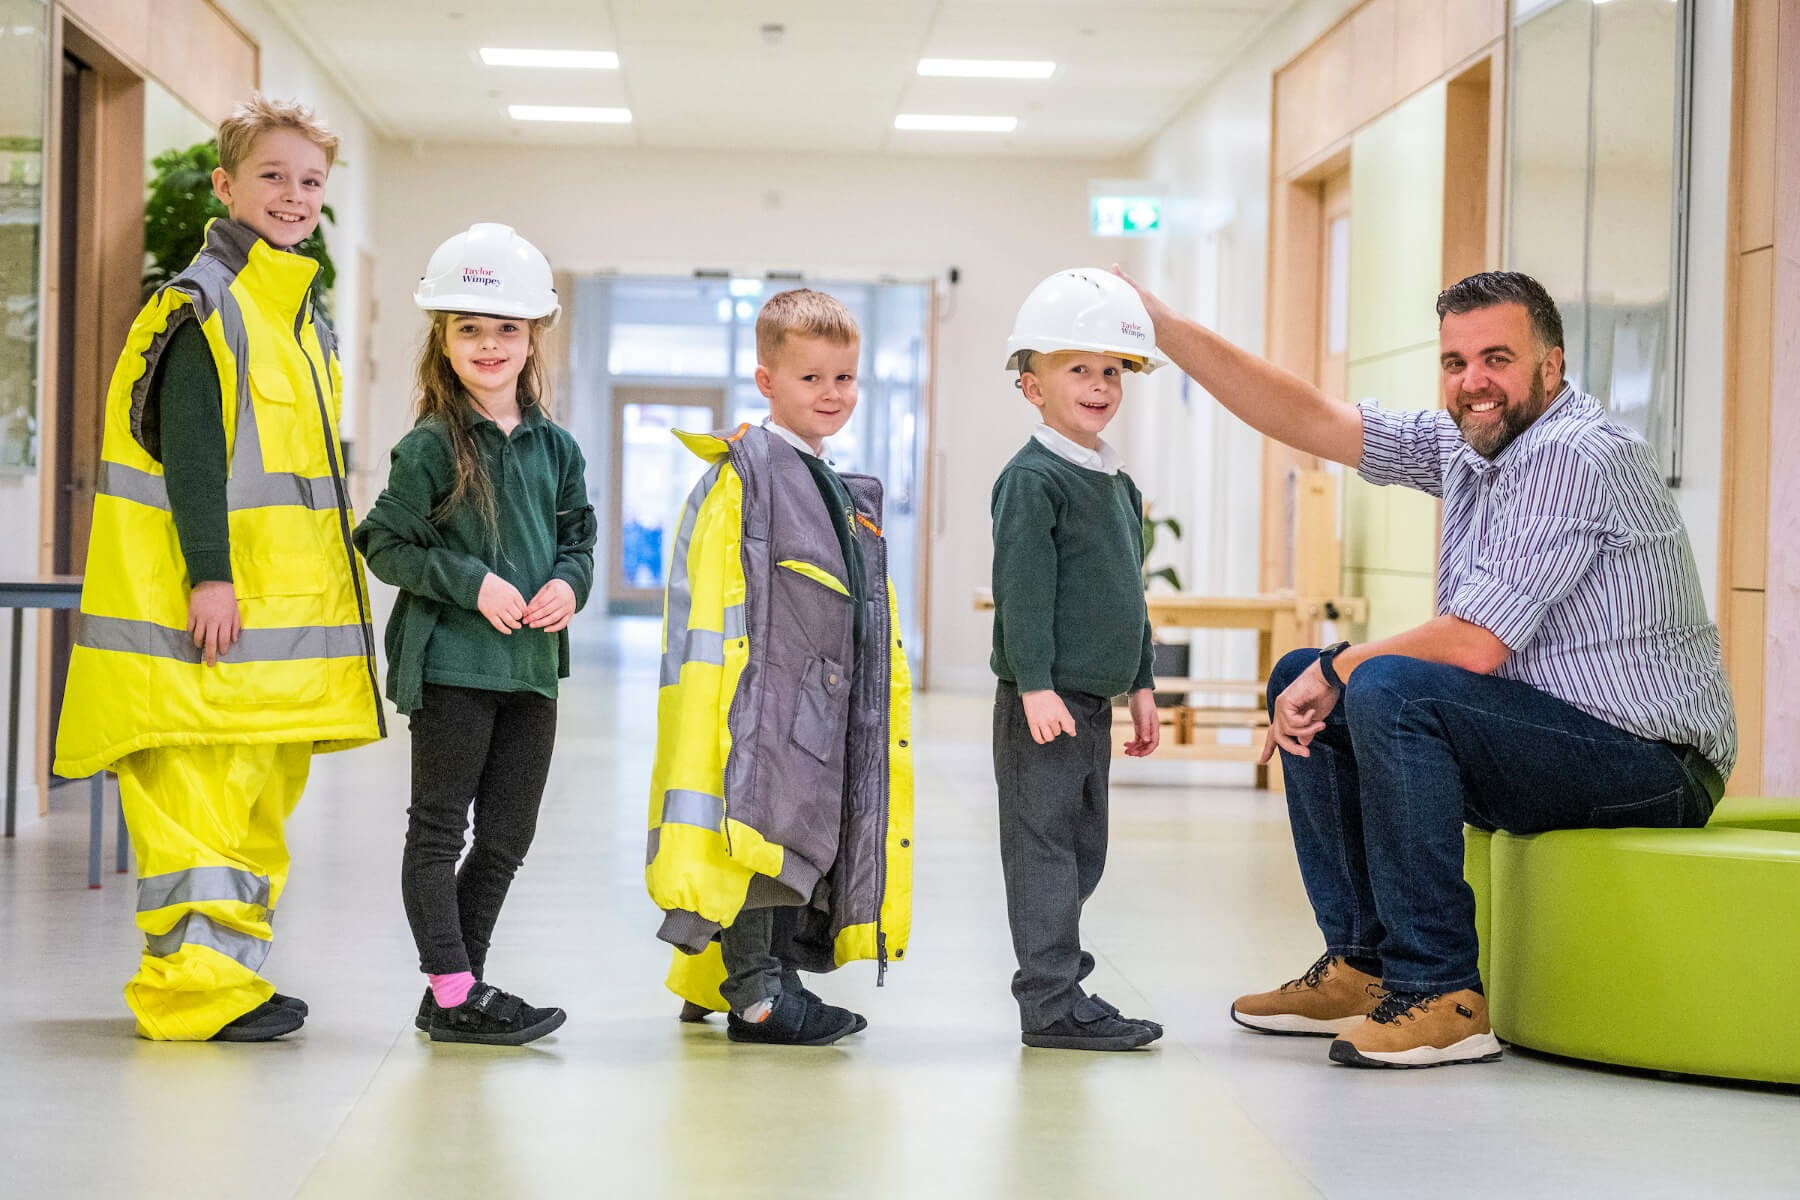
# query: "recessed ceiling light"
{"type": "Point", "coordinates": [931, 122]}
{"type": "Point", "coordinates": [569, 112]}
{"type": "Point", "coordinates": [586, 60]}
{"type": "Point", "coordinates": [986, 68]}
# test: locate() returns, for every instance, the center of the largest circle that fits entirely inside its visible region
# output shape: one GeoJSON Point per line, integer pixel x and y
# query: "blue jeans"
{"type": "Point", "coordinates": [1414, 749]}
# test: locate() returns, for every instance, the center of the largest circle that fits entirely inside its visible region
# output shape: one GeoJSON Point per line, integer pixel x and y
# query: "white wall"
{"type": "Point", "coordinates": [1003, 224]}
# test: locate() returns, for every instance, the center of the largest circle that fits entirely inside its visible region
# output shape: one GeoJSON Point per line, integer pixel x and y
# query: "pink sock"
{"type": "Point", "coordinates": [451, 990]}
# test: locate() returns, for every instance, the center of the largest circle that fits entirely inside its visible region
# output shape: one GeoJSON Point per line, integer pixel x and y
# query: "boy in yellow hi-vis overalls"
{"type": "Point", "coordinates": [224, 634]}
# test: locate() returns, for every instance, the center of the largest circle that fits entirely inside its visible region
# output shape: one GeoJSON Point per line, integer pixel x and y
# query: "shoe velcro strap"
{"type": "Point", "coordinates": [1091, 1009]}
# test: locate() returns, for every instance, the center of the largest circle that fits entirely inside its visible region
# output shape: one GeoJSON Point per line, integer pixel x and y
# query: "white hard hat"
{"type": "Point", "coordinates": [1084, 309]}
{"type": "Point", "coordinates": [488, 271]}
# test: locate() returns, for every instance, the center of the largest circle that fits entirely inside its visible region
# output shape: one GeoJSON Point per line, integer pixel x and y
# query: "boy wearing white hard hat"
{"type": "Point", "coordinates": [1070, 633]}
{"type": "Point", "coordinates": [486, 529]}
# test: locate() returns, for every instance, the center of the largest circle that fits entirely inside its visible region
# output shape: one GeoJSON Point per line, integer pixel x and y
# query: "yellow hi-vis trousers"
{"type": "Point", "coordinates": [208, 824]}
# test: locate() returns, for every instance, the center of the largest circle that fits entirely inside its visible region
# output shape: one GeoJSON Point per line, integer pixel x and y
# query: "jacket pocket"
{"type": "Point", "coordinates": [817, 574]}
{"type": "Point", "coordinates": [821, 709]}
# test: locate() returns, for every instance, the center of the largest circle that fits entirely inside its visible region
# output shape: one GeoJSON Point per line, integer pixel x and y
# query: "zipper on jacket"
{"type": "Point", "coordinates": [342, 491]}
{"type": "Point", "coordinates": [731, 459]}
{"type": "Point", "coordinates": [887, 766]}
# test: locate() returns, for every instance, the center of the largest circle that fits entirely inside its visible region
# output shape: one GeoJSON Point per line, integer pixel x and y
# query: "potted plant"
{"type": "Point", "coordinates": [1167, 659]}
{"type": "Point", "coordinates": [181, 203]}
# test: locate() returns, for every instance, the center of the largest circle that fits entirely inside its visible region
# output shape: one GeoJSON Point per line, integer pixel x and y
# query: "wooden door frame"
{"type": "Point", "coordinates": [109, 267]}
{"type": "Point", "coordinates": [621, 598]}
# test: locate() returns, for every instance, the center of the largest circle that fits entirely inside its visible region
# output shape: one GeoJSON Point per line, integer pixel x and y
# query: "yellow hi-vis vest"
{"type": "Point", "coordinates": [304, 669]}
{"type": "Point", "coordinates": [783, 773]}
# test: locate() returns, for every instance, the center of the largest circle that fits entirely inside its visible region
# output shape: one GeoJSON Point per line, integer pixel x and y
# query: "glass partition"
{"type": "Point", "coordinates": [1596, 161]}
{"type": "Point", "coordinates": [24, 53]}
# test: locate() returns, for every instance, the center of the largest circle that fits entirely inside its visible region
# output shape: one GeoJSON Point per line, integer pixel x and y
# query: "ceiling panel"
{"type": "Point", "coordinates": [702, 73]}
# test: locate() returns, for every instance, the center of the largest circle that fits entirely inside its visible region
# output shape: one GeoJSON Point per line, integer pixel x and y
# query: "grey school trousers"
{"type": "Point", "coordinates": [1053, 817]}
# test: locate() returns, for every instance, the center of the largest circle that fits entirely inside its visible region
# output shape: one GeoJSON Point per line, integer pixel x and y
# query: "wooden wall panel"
{"type": "Point", "coordinates": [1744, 664]}
{"type": "Point", "coordinates": [190, 34]}
{"type": "Point", "coordinates": [1756, 131]}
{"type": "Point", "coordinates": [124, 25]}
{"type": "Point", "coordinates": [1372, 42]}
{"type": "Point", "coordinates": [1469, 25]}
{"type": "Point", "coordinates": [1419, 55]}
{"type": "Point", "coordinates": [1466, 162]}
{"type": "Point", "coordinates": [190, 47]}
{"type": "Point", "coordinates": [1747, 491]}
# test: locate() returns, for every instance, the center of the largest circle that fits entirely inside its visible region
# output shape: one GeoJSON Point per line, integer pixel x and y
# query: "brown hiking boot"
{"type": "Point", "coordinates": [1412, 1030]}
{"type": "Point", "coordinates": [1331, 998]}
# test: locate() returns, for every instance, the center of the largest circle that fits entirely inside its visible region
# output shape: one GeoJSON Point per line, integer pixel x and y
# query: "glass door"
{"type": "Point", "coordinates": [652, 475]}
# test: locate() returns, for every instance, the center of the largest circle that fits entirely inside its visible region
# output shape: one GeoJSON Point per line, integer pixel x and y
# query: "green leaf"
{"type": "Point", "coordinates": [1166, 574]}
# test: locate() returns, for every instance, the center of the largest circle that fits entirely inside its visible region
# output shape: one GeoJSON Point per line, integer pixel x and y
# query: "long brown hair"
{"type": "Point", "coordinates": [441, 394]}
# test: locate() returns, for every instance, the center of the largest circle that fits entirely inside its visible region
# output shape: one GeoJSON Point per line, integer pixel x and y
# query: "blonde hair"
{"type": "Point", "coordinates": [441, 394]}
{"type": "Point", "coordinates": [806, 313]}
{"type": "Point", "coordinates": [259, 115]}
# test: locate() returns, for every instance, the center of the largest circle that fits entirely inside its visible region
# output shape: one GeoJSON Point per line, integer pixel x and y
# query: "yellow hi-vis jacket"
{"type": "Point", "coordinates": [304, 669]}
{"type": "Point", "coordinates": [783, 772]}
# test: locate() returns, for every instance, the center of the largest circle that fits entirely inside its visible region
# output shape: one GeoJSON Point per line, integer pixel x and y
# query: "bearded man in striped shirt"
{"type": "Point", "coordinates": [1571, 679]}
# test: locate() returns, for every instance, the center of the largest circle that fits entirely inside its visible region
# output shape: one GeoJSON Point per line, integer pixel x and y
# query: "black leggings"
{"type": "Point", "coordinates": [492, 748]}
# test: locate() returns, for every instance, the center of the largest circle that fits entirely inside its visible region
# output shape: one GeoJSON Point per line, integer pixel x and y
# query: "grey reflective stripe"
{"type": "Point", "coordinates": [700, 645]}
{"type": "Point", "coordinates": [681, 596]}
{"type": "Point", "coordinates": [683, 807]}
{"type": "Point", "coordinates": [129, 483]}
{"type": "Point", "coordinates": [317, 492]}
{"type": "Point", "coordinates": [241, 491]}
{"type": "Point", "coordinates": [202, 883]}
{"type": "Point", "coordinates": [697, 645]}
{"type": "Point", "coordinates": [198, 929]}
{"type": "Point", "coordinates": [253, 645]}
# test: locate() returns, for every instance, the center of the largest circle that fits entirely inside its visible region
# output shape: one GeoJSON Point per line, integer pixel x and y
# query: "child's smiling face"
{"type": "Point", "coordinates": [811, 385]}
{"type": "Point", "coordinates": [1078, 392]}
{"type": "Point", "coordinates": [487, 353]}
{"type": "Point", "coordinates": [279, 188]}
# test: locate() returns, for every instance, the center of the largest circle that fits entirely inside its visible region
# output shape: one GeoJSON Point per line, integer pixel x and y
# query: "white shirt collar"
{"type": "Point", "coordinates": [1105, 460]}
{"type": "Point", "coordinates": [793, 439]}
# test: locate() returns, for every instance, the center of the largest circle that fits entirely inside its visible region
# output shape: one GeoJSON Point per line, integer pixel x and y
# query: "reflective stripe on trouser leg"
{"type": "Point", "coordinates": [207, 823]}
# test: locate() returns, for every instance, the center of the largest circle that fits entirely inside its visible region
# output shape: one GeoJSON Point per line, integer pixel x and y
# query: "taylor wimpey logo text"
{"type": "Point", "coordinates": [1132, 329]}
{"type": "Point", "coordinates": [480, 275]}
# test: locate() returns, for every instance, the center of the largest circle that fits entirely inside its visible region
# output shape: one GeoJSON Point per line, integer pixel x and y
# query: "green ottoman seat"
{"type": "Point", "coordinates": [1669, 949]}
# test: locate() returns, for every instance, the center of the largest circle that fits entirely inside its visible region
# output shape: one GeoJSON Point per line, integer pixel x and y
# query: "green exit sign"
{"type": "Point", "coordinates": [1124, 216]}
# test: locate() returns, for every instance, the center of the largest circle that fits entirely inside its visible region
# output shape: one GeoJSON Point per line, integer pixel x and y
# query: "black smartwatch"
{"type": "Point", "coordinates": [1328, 664]}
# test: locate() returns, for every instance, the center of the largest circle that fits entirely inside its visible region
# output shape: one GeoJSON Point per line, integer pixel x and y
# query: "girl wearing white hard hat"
{"type": "Point", "coordinates": [486, 529]}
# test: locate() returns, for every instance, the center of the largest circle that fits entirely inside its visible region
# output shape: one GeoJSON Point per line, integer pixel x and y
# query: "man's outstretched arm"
{"type": "Point", "coordinates": [1270, 400]}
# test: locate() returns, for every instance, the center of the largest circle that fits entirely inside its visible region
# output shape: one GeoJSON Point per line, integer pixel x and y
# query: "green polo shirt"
{"type": "Point", "coordinates": [546, 531]}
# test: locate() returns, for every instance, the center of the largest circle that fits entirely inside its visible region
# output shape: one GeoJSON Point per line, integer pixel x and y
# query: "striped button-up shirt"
{"type": "Point", "coordinates": [1569, 549]}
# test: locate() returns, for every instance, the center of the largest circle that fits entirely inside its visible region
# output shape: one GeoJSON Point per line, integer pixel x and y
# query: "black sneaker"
{"type": "Point", "coordinates": [693, 1014]}
{"type": "Point", "coordinates": [793, 1021]}
{"type": "Point", "coordinates": [858, 1021]}
{"type": "Point", "coordinates": [292, 1003]}
{"type": "Point", "coordinates": [264, 1023]}
{"type": "Point", "coordinates": [427, 1007]}
{"type": "Point", "coordinates": [1093, 1024]}
{"type": "Point", "coordinates": [491, 1017]}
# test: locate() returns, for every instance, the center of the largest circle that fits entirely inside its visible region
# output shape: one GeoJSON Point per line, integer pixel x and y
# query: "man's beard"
{"type": "Point", "coordinates": [1489, 438]}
